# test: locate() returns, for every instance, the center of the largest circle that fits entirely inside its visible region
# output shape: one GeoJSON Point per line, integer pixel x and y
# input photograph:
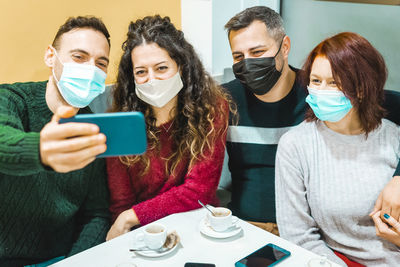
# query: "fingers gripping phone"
{"type": "Point", "coordinates": [125, 131]}
{"type": "Point", "coordinates": [268, 255]}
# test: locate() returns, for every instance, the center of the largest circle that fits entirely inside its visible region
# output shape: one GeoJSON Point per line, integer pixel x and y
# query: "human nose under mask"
{"type": "Point", "coordinates": [258, 75]}
{"type": "Point", "coordinates": [328, 105]}
{"type": "Point", "coordinates": [159, 92]}
{"type": "Point", "coordinates": [79, 84]}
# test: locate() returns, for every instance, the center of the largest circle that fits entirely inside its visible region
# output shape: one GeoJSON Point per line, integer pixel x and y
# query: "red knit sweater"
{"type": "Point", "coordinates": [154, 195]}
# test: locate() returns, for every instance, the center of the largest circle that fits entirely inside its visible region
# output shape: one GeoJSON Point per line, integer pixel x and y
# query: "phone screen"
{"type": "Point", "coordinates": [269, 255]}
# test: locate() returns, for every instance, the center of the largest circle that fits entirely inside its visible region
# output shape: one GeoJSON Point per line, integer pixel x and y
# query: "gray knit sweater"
{"type": "Point", "coordinates": [327, 184]}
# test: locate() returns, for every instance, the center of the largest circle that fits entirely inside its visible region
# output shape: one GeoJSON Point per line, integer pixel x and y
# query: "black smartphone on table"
{"type": "Point", "coordinates": [197, 264]}
{"type": "Point", "coordinates": [268, 255]}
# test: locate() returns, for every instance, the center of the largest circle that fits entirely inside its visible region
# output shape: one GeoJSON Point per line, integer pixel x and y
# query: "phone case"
{"type": "Point", "coordinates": [270, 252]}
{"type": "Point", "coordinates": [125, 131]}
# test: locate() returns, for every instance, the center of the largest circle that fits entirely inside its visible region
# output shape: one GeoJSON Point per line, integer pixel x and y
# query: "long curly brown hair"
{"type": "Point", "coordinates": [201, 102]}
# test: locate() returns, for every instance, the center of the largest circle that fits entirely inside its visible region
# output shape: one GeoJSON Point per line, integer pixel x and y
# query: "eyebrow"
{"type": "Point", "coordinates": [314, 76]}
{"type": "Point", "coordinates": [252, 48]}
{"type": "Point", "coordinates": [319, 77]}
{"type": "Point", "coordinates": [140, 67]}
{"type": "Point", "coordinates": [86, 53]}
{"type": "Point", "coordinates": [258, 46]}
{"type": "Point", "coordinates": [161, 62]}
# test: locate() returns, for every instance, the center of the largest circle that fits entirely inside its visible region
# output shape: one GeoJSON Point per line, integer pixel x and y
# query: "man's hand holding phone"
{"type": "Point", "coordinates": [70, 147]}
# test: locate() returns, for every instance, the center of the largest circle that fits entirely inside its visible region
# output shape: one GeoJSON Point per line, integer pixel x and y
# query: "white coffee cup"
{"type": "Point", "coordinates": [222, 219]}
{"type": "Point", "coordinates": [153, 235]}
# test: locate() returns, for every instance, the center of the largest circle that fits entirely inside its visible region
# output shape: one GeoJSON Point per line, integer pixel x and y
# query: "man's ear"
{"type": "Point", "coordinates": [49, 57]}
{"type": "Point", "coordinates": [285, 47]}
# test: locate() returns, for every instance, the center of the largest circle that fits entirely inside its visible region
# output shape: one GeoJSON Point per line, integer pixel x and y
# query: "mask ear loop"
{"type": "Point", "coordinates": [280, 46]}
{"type": "Point", "coordinates": [55, 53]}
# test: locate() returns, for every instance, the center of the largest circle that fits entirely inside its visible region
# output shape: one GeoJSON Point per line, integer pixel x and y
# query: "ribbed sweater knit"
{"type": "Point", "coordinates": [44, 214]}
{"type": "Point", "coordinates": [251, 147]}
{"type": "Point", "coordinates": [327, 184]}
{"type": "Point", "coordinates": [157, 194]}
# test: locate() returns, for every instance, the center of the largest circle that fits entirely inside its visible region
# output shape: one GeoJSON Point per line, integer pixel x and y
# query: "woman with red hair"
{"type": "Point", "coordinates": [331, 168]}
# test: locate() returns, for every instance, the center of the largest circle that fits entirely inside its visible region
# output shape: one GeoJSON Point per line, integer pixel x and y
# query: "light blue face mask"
{"type": "Point", "coordinates": [80, 83]}
{"type": "Point", "coordinates": [328, 105]}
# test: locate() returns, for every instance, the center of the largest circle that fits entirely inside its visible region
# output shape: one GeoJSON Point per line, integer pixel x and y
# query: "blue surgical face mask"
{"type": "Point", "coordinates": [328, 105]}
{"type": "Point", "coordinates": [80, 83]}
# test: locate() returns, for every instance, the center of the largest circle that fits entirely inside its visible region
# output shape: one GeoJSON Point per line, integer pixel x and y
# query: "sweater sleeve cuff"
{"type": "Point", "coordinates": [25, 161]}
{"type": "Point", "coordinates": [143, 214]}
{"type": "Point", "coordinates": [30, 155]}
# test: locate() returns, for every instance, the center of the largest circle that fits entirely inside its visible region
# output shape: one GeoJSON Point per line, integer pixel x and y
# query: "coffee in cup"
{"type": "Point", "coordinates": [221, 219]}
{"type": "Point", "coordinates": [220, 214]}
{"type": "Point", "coordinates": [154, 229]}
{"type": "Point", "coordinates": [153, 235]}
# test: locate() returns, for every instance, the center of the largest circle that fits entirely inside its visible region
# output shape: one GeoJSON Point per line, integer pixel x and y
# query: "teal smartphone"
{"type": "Point", "coordinates": [125, 131]}
{"type": "Point", "coordinates": [268, 255]}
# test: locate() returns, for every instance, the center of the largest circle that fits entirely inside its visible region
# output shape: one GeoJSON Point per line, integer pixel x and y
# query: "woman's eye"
{"type": "Point", "coordinates": [139, 72]}
{"type": "Point", "coordinates": [315, 81]}
{"type": "Point", "coordinates": [79, 57]}
{"type": "Point", "coordinates": [162, 68]}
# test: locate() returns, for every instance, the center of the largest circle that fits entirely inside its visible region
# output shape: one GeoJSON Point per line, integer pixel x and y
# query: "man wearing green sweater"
{"type": "Point", "coordinates": [54, 196]}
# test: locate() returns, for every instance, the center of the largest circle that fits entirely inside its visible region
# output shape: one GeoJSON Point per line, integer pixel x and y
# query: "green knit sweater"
{"type": "Point", "coordinates": [44, 214]}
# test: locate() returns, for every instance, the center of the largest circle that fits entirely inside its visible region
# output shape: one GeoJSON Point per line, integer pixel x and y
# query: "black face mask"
{"type": "Point", "coordinates": [258, 75]}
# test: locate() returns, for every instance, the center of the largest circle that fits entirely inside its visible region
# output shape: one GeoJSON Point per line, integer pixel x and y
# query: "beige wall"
{"type": "Point", "coordinates": [27, 27]}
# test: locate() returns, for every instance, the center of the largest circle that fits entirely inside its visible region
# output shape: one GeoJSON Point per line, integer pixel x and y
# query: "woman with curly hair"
{"type": "Point", "coordinates": [186, 116]}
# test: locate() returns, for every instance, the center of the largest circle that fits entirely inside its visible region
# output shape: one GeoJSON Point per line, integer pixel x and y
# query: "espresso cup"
{"type": "Point", "coordinates": [221, 219]}
{"type": "Point", "coordinates": [153, 235]}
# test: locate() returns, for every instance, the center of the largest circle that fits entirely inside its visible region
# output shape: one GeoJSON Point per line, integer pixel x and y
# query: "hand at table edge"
{"type": "Point", "coordinates": [124, 222]}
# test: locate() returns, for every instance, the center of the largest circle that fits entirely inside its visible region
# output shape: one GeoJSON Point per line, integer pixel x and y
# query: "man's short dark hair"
{"type": "Point", "coordinates": [271, 19]}
{"type": "Point", "coordinates": [79, 23]}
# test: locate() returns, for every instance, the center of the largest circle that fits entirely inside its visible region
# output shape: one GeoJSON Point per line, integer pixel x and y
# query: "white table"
{"type": "Point", "coordinates": [194, 247]}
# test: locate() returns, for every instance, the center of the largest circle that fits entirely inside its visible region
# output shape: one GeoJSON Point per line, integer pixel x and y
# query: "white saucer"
{"type": "Point", "coordinates": [206, 229]}
{"type": "Point", "coordinates": [154, 253]}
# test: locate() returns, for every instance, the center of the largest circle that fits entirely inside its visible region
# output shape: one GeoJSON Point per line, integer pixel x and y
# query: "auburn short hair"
{"type": "Point", "coordinates": [359, 71]}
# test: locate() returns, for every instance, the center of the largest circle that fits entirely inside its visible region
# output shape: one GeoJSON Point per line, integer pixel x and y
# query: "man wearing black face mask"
{"type": "Point", "coordinates": [270, 100]}
{"type": "Point", "coordinates": [258, 75]}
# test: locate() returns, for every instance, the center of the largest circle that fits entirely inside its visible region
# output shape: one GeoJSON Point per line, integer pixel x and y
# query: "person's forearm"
{"type": "Point", "coordinates": [200, 184]}
{"type": "Point", "coordinates": [119, 184]}
{"type": "Point", "coordinates": [19, 152]}
{"type": "Point", "coordinates": [19, 149]}
{"type": "Point", "coordinates": [178, 199]}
